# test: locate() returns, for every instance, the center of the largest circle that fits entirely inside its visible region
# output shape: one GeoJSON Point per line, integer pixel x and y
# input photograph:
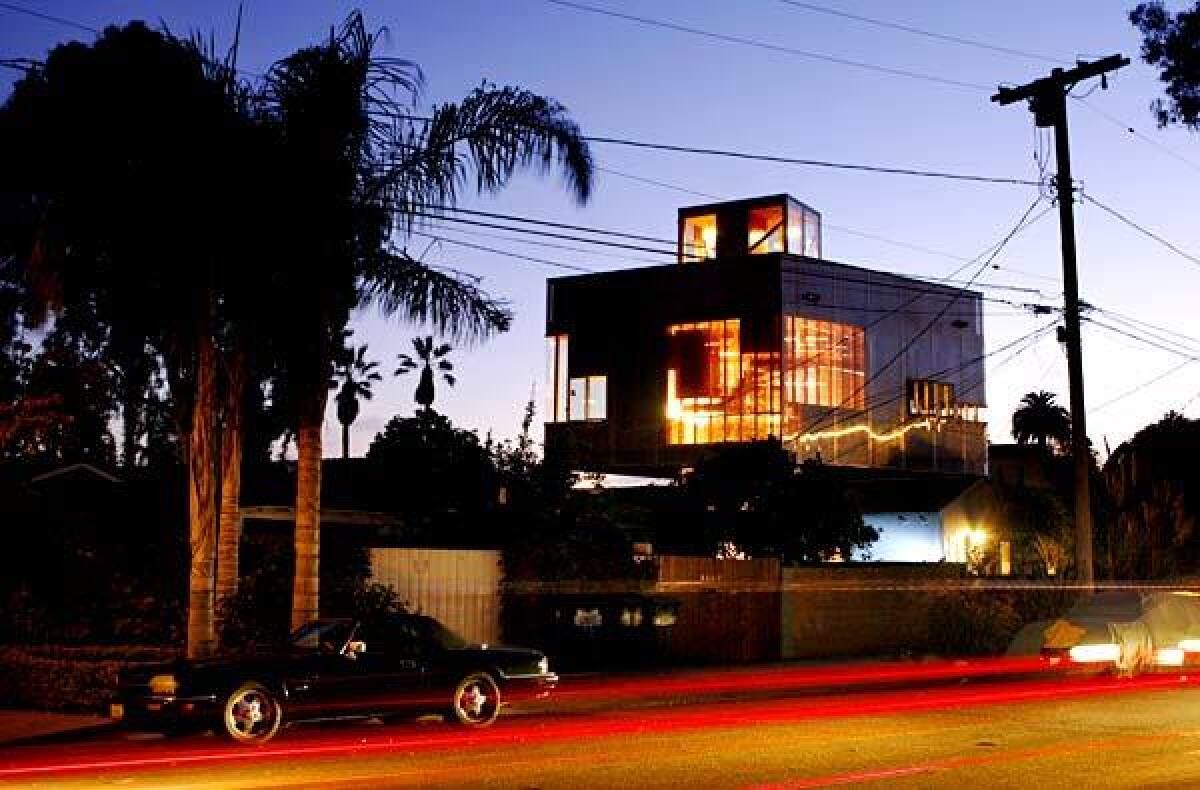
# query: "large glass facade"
{"type": "Point", "coordinates": [825, 363]}
{"type": "Point", "coordinates": [718, 390]}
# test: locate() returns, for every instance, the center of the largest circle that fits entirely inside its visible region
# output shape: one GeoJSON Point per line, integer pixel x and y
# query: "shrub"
{"type": "Point", "coordinates": [68, 678]}
{"type": "Point", "coordinates": [972, 623]}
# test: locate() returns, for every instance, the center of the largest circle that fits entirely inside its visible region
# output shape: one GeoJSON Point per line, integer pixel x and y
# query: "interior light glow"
{"type": "Point", "coordinates": [1189, 645]}
{"type": "Point", "coordinates": [1168, 657]}
{"type": "Point", "coordinates": [1095, 654]}
{"type": "Point", "coordinates": [837, 433]}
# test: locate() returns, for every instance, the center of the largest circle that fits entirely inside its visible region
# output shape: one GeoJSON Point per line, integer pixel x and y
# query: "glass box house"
{"type": "Point", "coordinates": [752, 334]}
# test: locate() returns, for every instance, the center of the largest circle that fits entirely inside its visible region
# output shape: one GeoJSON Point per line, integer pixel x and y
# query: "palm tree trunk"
{"type": "Point", "coordinates": [305, 587]}
{"type": "Point", "coordinates": [345, 440]}
{"type": "Point", "coordinates": [230, 534]}
{"type": "Point", "coordinates": [201, 502]}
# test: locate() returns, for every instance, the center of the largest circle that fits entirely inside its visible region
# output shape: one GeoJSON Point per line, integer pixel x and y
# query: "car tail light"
{"type": "Point", "coordinates": [1095, 654]}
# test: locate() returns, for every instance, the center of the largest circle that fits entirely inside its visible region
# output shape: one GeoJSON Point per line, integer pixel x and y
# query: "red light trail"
{"type": "Point", "coordinates": [33, 762]}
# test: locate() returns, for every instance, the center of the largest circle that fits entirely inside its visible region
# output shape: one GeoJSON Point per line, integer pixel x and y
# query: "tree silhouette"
{"type": "Point", "coordinates": [357, 374]}
{"type": "Point", "coordinates": [429, 359]}
{"type": "Point", "coordinates": [1040, 419]}
{"type": "Point", "coordinates": [1171, 43]}
{"type": "Point", "coordinates": [358, 170]}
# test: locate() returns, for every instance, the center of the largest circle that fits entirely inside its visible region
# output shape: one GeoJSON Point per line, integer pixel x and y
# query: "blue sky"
{"type": "Point", "coordinates": [627, 80]}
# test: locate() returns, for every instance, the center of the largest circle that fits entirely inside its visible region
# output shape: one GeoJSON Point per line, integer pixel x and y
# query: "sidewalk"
{"type": "Point", "coordinates": [20, 725]}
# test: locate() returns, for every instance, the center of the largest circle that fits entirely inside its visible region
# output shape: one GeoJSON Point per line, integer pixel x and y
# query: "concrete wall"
{"type": "Point", "coordinates": [459, 587]}
{"type": "Point", "coordinates": [859, 610]}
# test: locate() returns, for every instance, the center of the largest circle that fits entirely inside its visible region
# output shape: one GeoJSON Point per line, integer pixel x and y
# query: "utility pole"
{"type": "Point", "coordinates": [1048, 101]}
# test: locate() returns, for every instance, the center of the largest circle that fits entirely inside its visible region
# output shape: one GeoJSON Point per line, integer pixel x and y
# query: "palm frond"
{"type": "Point", "coordinates": [398, 284]}
{"type": "Point", "coordinates": [487, 137]}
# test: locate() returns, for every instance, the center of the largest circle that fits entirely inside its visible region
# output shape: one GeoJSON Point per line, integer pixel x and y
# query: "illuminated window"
{"type": "Point", "coordinates": [765, 230]}
{"type": "Point", "coordinates": [825, 363]}
{"type": "Point", "coordinates": [717, 390]}
{"type": "Point", "coordinates": [588, 398]}
{"type": "Point", "coordinates": [699, 240]}
{"type": "Point", "coordinates": [557, 385]}
{"type": "Point", "coordinates": [803, 230]}
{"type": "Point", "coordinates": [928, 398]}
{"type": "Point", "coordinates": [812, 234]}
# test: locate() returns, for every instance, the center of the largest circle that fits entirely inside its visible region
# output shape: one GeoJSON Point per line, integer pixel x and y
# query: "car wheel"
{"type": "Point", "coordinates": [476, 701]}
{"type": "Point", "coordinates": [251, 714]}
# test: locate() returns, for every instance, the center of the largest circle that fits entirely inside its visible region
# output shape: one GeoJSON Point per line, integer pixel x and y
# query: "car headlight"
{"type": "Point", "coordinates": [544, 665]}
{"type": "Point", "coordinates": [1095, 654]}
{"type": "Point", "coordinates": [164, 684]}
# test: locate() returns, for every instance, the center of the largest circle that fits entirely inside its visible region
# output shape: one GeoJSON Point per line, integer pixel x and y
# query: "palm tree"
{"type": "Point", "coordinates": [361, 170]}
{"type": "Point", "coordinates": [357, 375]}
{"type": "Point", "coordinates": [428, 357]}
{"type": "Point", "coordinates": [122, 197]}
{"type": "Point", "coordinates": [1040, 419]}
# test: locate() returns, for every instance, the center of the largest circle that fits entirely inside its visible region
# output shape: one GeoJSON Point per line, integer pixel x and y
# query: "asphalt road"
{"type": "Point", "coordinates": [1063, 732]}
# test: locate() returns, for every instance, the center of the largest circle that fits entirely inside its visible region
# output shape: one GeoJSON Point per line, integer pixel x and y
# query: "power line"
{"type": "Point", "coordinates": [912, 284]}
{"type": "Point", "coordinates": [1029, 340]}
{"type": "Point", "coordinates": [1140, 229]}
{"type": "Point", "coordinates": [49, 17]}
{"type": "Point", "coordinates": [560, 225]}
{"type": "Point", "coordinates": [777, 48]}
{"type": "Point", "coordinates": [1147, 324]}
{"type": "Point", "coordinates": [926, 33]}
{"type": "Point", "coordinates": [1115, 121]}
{"type": "Point", "coordinates": [1021, 225]}
{"type": "Point", "coordinates": [508, 253]}
{"type": "Point", "coordinates": [1143, 340]}
{"type": "Point", "coordinates": [1145, 384]}
{"type": "Point", "coordinates": [787, 160]}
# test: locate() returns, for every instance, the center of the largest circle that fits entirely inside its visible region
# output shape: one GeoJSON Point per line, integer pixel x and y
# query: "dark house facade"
{"type": "Point", "coordinates": [752, 334]}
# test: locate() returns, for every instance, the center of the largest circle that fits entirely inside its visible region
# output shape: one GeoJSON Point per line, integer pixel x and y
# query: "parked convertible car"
{"type": "Point", "coordinates": [1125, 631]}
{"type": "Point", "coordinates": [336, 667]}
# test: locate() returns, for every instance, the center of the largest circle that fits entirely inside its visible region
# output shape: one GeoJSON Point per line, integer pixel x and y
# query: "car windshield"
{"type": "Point", "coordinates": [322, 635]}
{"type": "Point", "coordinates": [442, 636]}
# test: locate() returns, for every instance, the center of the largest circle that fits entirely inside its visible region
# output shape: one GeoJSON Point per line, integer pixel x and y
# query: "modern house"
{"type": "Point", "coordinates": [753, 334]}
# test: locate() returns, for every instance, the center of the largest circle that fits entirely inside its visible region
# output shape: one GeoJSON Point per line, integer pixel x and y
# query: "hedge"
{"type": "Point", "coordinates": [61, 678]}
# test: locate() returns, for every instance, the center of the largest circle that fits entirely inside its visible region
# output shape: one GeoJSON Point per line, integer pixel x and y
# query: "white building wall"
{"type": "Point", "coordinates": [458, 587]}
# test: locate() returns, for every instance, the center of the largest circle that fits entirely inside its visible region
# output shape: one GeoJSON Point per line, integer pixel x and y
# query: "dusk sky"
{"type": "Point", "coordinates": [623, 79]}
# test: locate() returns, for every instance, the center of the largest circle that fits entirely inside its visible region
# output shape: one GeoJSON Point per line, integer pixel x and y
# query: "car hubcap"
{"type": "Point", "coordinates": [251, 713]}
{"type": "Point", "coordinates": [473, 701]}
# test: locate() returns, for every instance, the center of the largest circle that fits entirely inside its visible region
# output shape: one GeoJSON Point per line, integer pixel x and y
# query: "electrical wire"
{"type": "Point", "coordinates": [777, 48]}
{"type": "Point", "coordinates": [1026, 342]}
{"type": "Point", "coordinates": [787, 160]}
{"type": "Point", "coordinates": [49, 17]}
{"type": "Point", "coordinates": [1020, 226]}
{"type": "Point", "coordinates": [1141, 339]}
{"type": "Point", "coordinates": [1140, 229]}
{"type": "Point", "coordinates": [967, 42]}
{"type": "Point", "coordinates": [1149, 382]}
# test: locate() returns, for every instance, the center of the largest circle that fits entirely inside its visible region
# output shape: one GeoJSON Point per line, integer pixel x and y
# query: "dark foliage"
{"type": "Point", "coordinates": [258, 615]}
{"type": "Point", "coordinates": [755, 499]}
{"type": "Point", "coordinates": [1171, 43]}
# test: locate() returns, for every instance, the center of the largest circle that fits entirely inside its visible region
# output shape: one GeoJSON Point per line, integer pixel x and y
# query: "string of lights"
{"type": "Point", "coordinates": [1022, 223]}
{"type": "Point", "coordinates": [1018, 346]}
